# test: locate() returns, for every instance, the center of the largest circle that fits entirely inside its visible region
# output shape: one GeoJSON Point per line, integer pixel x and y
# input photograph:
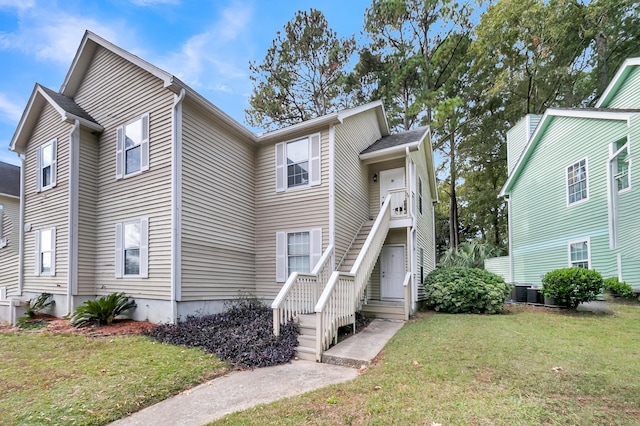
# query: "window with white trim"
{"type": "Point", "coordinates": [298, 163]}
{"type": "Point", "coordinates": [577, 187]}
{"type": "Point", "coordinates": [579, 254]}
{"type": "Point", "coordinates": [3, 239]}
{"type": "Point", "coordinates": [46, 165]}
{"type": "Point", "coordinates": [45, 253]}
{"type": "Point", "coordinates": [132, 147]}
{"type": "Point", "coordinates": [297, 251]}
{"type": "Point", "coordinates": [620, 164]}
{"type": "Point", "coordinates": [419, 195]}
{"type": "Point", "coordinates": [132, 249]}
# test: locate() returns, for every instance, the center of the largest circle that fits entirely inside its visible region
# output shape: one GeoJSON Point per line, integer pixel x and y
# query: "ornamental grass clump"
{"type": "Point", "coordinates": [571, 286]}
{"type": "Point", "coordinates": [242, 335]}
{"type": "Point", "coordinates": [101, 311]}
{"type": "Point", "coordinates": [466, 290]}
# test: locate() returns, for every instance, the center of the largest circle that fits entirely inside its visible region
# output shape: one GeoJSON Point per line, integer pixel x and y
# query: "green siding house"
{"type": "Point", "coordinates": [572, 190]}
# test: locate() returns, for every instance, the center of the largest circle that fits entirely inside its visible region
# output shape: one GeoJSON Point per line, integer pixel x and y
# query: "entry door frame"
{"type": "Point", "coordinates": [390, 285]}
{"type": "Point", "coordinates": [388, 181]}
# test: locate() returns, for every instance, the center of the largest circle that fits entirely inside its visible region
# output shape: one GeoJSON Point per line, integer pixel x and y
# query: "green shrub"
{"type": "Point", "coordinates": [618, 287]}
{"type": "Point", "coordinates": [571, 286]}
{"type": "Point", "coordinates": [102, 310]}
{"type": "Point", "coordinates": [461, 290]}
{"type": "Point", "coordinates": [38, 303]}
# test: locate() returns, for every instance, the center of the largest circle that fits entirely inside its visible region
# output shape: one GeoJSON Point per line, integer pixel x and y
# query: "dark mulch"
{"type": "Point", "coordinates": [242, 335]}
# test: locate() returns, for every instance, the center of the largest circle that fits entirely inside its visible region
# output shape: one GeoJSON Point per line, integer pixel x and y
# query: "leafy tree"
{"type": "Point", "coordinates": [470, 254]}
{"type": "Point", "coordinates": [302, 75]}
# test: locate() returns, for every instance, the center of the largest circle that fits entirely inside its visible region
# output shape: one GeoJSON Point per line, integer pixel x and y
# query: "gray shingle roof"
{"type": "Point", "coordinates": [399, 139]}
{"type": "Point", "coordinates": [9, 179]}
{"type": "Point", "coordinates": [68, 104]}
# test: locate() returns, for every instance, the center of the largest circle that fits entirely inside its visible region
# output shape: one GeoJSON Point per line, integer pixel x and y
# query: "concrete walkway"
{"type": "Point", "coordinates": [240, 390]}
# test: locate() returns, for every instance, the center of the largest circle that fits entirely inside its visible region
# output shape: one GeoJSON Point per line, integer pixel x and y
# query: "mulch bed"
{"type": "Point", "coordinates": [61, 326]}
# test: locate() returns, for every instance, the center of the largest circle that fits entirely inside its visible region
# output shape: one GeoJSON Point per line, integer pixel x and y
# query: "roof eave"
{"type": "Point", "coordinates": [542, 126]}
{"type": "Point", "coordinates": [617, 80]}
{"type": "Point", "coordinates": [305, 126]}
{"type": "Point", "coordinates": [389, 153]}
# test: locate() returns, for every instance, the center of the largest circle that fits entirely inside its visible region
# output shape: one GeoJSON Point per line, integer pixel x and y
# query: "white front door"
{"type": "Point", "coordinates": [392, 272]}
{"type": "Point", "coordinates": [393, 179]}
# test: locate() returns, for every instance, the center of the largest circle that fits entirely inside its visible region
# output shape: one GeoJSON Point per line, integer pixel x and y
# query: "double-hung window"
{"type": "Point", "coordinates": [577, 183]}
{"type": "Point", "coordinates": [298, 163]}
{"type": "Point", "coordinates": [46, 166]}
{"type": "Point", "coordinates": [132, 147]}
{"type": "Point", "coordinates": [579, 256]}
{"type": "Point", "coordinates": [132, 248]}
{"type": "Point", "coordinates": [297, 251]}
{"type": "Point", "coordinates": [45, 253]}
{"type": "Point", "coordinates": [619, 164]}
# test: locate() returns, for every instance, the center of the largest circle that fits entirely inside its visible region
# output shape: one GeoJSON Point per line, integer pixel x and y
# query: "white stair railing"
{"type": "Point", "coordinates": [344, 293]}
{"type": "Point", "coordinates": [300, 293]}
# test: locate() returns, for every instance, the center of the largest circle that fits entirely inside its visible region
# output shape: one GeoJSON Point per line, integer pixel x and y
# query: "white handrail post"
{"type": "Point", "coordinates": [276, 322]}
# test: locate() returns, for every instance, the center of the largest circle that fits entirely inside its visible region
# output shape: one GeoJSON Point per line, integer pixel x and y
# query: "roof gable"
{"type": "Point", "coordinates": [613, 89]}
{"type": "Point", "coordinates": [69, 111]}
{"type": "Point", "coordinates": [546, 120]}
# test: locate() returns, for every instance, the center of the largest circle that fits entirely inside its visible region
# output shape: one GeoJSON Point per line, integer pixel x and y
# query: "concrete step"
{"type": "Point", "coordinates": [383, 311]}
{"type": "Point", "coordinates": [307, 354]}
{"type": "Point", "coordinates": [361, 348]}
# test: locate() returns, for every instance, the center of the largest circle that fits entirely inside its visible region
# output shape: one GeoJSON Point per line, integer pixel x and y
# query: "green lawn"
{"type": "Point", "coordinates": [522, 368]}
{"type": "Point", "coordinates": [75, 379]}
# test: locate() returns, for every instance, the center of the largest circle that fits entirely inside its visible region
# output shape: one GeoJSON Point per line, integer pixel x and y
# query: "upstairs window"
{"type": "Point", "coordinates": [45, 252]}
{"type": "Point", "coordinates": [46, 166]}
{"type": "Point", "coordinates": [132, 147]}
{"type": "Point", "coordinates": [620, 164]}
{"type": "Point", "coordinates": [298, 163]}
{"type": "Point", "coordinates": [577, 186]}
{"type": "Point", "coordinates": [132, 249]}
{"type": "Point", "coordinates": [579, 254]}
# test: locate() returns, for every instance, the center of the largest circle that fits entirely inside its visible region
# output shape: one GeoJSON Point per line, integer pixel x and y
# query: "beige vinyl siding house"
{"type": "Point", "coordinates": [162, 196]}
{"type": "Point", "coordinates": [9, 232]}
{"type": "Point", "coordinates": [218, 231]}
{"type": "Point", "coordinates": [297, 209]}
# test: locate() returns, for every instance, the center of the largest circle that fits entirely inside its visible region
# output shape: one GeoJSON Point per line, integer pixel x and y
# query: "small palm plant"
{"type": "Point", "coordinates": [102, 310]}
{"type": "Point", "coordinates": [39, 303]}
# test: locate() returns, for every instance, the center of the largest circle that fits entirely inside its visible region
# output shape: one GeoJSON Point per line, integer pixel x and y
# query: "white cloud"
{"type": "Point", "coordinates": [152, 2]}
{"type": "Point", "coordinates": [53, 35]}
{"type": "Point", "coordinates": [9, 110]}
{"type": "Point", "coordinates": [215, 58]}
{"type": "Point", "coordinates": [17, 4]}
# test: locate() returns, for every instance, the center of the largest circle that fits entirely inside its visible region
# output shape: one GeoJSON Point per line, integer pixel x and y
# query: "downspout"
{"type": "Point", "coordinates": [332, 194]}
{"type": "Point", "coordinates": [510, 241]}
{"type": "Point", "coordinates": [176, 203]}
{"type": "Point", "coordinates": [72, 255]}
{"type": "Point", "coordinates": [412, 232]}
{"type": "Point", "coordinates": [21, 231]}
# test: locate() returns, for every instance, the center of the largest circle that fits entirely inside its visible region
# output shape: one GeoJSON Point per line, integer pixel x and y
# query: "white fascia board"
{"type": "Point", "coordinates": [554, 112]}
{"type": "Point", "coordinates": [23, 119]}
{"type": "Point", "coordinates": [16, 197]}
{"type": "Point", "coordinates": [630, 62]}
{"type": "Point", "coordinates": [310, 126]}
{"type": "Point", "coordinates": [399, 150]}
{"type": "Point", "coordinates": [380, 113]}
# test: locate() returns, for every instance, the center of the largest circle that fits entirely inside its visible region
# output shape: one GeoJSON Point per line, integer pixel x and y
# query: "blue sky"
{"type": "Point", "coordinates": [207, 44]}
